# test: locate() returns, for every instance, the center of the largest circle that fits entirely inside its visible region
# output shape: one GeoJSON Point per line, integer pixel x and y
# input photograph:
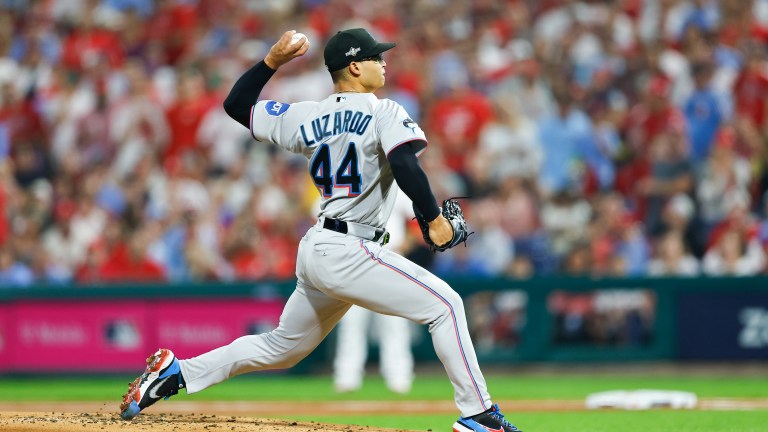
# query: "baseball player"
{"type": "Point", "coordinates": [358, 146]}
{"type": "Point", "coordinates": [393, 332]}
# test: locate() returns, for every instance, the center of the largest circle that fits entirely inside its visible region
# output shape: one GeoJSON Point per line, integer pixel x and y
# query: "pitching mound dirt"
{"type": "Point", "coordinates": [84, 422]}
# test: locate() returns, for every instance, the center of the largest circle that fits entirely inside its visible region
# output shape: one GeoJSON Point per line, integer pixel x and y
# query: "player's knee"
{"type": "Point", "coordinates": [451, 306]}
{"type": "Point", "coordinates": [287, 352]}
{"type": "Point", "coordinates": [454, 299]}
{"type": "Point", "coordinates": [290, 361]}
{"type": "Point", "coordinates": [288, 358]}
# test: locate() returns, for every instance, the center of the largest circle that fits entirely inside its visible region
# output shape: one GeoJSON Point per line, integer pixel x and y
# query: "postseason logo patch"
{"type": "Point", "coordinates": [275, 108]}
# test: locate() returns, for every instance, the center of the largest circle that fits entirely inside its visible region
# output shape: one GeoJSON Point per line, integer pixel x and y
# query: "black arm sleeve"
{"type": "Point", "coordinates": [412, 180]}
{"type": "Point", "coordinates": [245, 93]}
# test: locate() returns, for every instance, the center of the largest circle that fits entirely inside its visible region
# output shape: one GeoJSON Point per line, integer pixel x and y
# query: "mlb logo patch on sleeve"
{"type": "Point", "coordinates": [275, 108]}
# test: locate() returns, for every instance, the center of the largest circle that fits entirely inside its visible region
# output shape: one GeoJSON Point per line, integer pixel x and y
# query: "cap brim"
{"type": "Point", "coordinates": [381, 47]}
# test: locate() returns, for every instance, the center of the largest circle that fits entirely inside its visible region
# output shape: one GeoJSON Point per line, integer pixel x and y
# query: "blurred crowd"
{"type": "Point", "coordinates": [594, 137]}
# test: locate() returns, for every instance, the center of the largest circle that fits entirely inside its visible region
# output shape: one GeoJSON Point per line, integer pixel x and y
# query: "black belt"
{"type": "Point", "coordinates": [341, 226]}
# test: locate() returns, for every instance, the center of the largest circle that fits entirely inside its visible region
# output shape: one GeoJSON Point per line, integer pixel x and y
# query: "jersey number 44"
{"type": "Point", "coordinates": [346, 175]}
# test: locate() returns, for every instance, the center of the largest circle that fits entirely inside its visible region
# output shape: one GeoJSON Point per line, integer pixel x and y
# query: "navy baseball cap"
{"type": "Point", "coordinates": [352, 45]}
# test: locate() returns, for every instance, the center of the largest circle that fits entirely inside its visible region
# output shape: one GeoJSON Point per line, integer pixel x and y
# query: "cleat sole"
{"type": "Point", "coordinates": [129, 407]}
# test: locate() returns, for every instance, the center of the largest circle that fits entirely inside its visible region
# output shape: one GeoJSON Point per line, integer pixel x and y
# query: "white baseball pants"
{"type": "Point", "coordinates": [335, 271]}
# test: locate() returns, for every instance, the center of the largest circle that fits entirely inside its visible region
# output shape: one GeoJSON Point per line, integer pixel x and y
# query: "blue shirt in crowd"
{"type": "Point", "coordinates": [569, 145]}
{"type": "Point", "coordinates": [703, 117]}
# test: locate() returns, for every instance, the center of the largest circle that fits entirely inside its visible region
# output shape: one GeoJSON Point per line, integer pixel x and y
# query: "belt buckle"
{"type": "Point", "coordinates": [385, 238]}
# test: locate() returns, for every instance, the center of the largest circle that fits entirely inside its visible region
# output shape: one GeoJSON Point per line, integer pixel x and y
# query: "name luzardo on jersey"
{"type": "Point", "coordinates": [335, 123]}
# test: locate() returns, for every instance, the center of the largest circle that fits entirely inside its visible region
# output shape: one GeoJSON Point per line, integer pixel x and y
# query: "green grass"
{"type": "Point", "coordinates": [436, 387]}
{"type": "Point", "coordinates": [433, 387]}
{"type": "Point", "coordinates": [600, 421]}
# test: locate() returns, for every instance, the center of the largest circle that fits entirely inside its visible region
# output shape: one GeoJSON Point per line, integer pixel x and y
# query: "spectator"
{"type": "Point", "coordinates": [704, 112]}
{"type": "Point", "coordinates": [734, 255]}
{"type": "Point", "coordinates": [14, 273]}
{"type": "Point", "coordinates": [456, 118]}
{"type": "Point", "coordinates": [186, 113]}
{"type": "Point", "coordinates": [90, 43]}
{"type": "Point", "coordinates": [57, 240]}
{"type": "Point", "coordinates": [617, 239]}
{"type": "Point", "coordinates": [519, 208]}
{"type": "Point", "coordinates": [724, 174]}
{"type": "Point", "coordinates": [671, 258]}
{"type": "Point", "coordinates": [138, 122]}
{"type": "Point", "coordinates": [561, 132]}
{"type": "Point", "coordinates": [221, 141]}
{"type": "Point", "coordinates": [491, 245]}
{"type": "Point", "coordinates": [702, 14]}
{"type": "Point", "coordinates": [578, 260]}
{"type": "Point", "coordinates": [88, 220]}
{"type": "Point", "coordinates": [763, 229]}
{"type": "Point", "coordinates": [680, 215]}
{"type": "Point", "coordinates": [750, 94]}
{"type": "Point", "coordinates": [92, 141]}
{"type": "Point", "coordinates": [670, 174]}
{"type": "Point", "coordinates": [570, 150]}
{"type": "Point", "coordinates": [128, 261]}
{"type": "Point", "coordinates": [510, 143]}
{"type": "Point", "coordinates": [527, 89]}
{"type": "Point", "coordinates": [540, 110]}
{"type": "Point", "coordinates": [652, 116]}
{"type": "Point", "coordinates": [566, 218]}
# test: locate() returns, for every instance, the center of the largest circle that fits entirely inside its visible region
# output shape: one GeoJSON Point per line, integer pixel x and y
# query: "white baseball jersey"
{"type": "Point", "coordinates": [346, 137]}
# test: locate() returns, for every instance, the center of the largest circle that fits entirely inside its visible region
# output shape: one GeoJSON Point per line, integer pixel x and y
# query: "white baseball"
{"type": "Point", "coordinates": [297, 37]}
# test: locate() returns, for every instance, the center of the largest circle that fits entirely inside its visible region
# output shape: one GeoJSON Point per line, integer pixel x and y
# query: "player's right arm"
{"type": "Point", "coordinates": [245, 92]}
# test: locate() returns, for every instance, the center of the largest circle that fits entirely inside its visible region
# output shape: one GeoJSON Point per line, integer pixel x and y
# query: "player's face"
{"type": "Point", "coordinates": [372, 72]}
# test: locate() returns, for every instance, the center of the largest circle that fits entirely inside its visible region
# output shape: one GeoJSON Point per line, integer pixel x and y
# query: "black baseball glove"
{"type": "Point", "coordinates": [451, 211]}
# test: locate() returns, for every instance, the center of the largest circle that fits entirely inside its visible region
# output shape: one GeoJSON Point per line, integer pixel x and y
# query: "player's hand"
{"type": "Point", "coordinates": [440, 230]}
{"type": "Point", "coordinates": [283, 51]}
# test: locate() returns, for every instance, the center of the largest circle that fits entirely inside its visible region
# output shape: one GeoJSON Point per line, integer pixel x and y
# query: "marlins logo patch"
{"type": "Point", "coordinates": [410, 124]}
{"type": "Point", "coordinates": [275, 108]}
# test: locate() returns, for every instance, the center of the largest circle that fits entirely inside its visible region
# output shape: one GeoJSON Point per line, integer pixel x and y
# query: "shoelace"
{"type": "Point", "coordinates": [496, 413]}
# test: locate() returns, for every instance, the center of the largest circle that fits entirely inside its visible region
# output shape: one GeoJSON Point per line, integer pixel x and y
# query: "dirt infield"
{"type": "Point", "coordinates": [72, 422]}
{"type": "Point", "coordinates": [246, 416]}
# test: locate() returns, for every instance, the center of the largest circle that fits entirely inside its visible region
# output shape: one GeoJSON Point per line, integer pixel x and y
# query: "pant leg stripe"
{"type": "Point", "coordinates": [448, 304]}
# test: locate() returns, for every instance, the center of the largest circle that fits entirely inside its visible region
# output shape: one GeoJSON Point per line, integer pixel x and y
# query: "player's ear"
{"type": "Point", "coordinates": [354, 69]}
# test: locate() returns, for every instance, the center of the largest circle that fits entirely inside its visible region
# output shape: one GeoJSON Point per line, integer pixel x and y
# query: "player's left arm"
{"type": "Point", "coordinates": [412, 180]}
{"type": "Point", "coordinates": [245, 92]}
{"type": "Point", "coordinates": [403, 141]}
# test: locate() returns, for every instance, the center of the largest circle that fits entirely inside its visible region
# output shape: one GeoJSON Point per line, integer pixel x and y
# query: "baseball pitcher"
{"type": "Point", "coordinates": [357, 146]}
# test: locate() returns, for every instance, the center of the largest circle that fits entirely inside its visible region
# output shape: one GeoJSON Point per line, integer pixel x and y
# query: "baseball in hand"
{"type": "Point", "coordinates": [296, 38]}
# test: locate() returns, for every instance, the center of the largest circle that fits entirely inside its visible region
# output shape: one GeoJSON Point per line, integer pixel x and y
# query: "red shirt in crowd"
{"type": "Point", "coordinates": [122, 266]}
{"type": "Point", "coordinates": [250, 265]}
{"type": "Point", "coordinates": [750, 92]}
{"type": "Point", "coordinates": [174, 24]}
{"type": "Point", "coordinates": [457, 120]}
{"type": "Point", "coordinates": [83, 48]}
{"type": "Point", "coordinates": [22, 121]}
{"type": "Point", "coordinates": [184, 118]}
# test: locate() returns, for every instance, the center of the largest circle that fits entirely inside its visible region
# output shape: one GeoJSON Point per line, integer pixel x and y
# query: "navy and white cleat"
{"type": "Point", "coordinates": [491, 420]}
{"type": "Point", "coordinates": [161, 379]}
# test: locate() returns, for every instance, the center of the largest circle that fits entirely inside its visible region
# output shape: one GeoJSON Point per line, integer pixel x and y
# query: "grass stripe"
{"type": "Point", "coordinates": [434, 387]}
